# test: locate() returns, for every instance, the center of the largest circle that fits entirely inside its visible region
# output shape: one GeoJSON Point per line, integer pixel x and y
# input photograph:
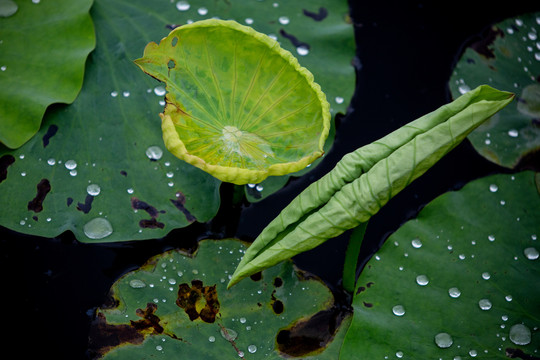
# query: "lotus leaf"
{"type": "Point", "coordinates": [238, 106]}
{"type": "Point", "coordinates": [44, 50]}
{"type": "Point", "coordinates": [177, 306]}
{"type": "Point", "coordinates": [507, 58]}
{"type": "Point", "coordinates": [460, 281]}
{"type": "Point", "coordinates": [366, 179]}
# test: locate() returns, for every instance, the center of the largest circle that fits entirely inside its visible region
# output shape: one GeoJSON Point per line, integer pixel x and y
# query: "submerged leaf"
{"type": "Point", "coordinates": [366, 179]}
{"type": "Point", "coordinates": [177, 307]}
{"type": "Point", "coordinates": [462, 280]}
{"type": "Point", "coordinates": [238, 106]}
{"type": "Point", "coordinates": [42, 61]}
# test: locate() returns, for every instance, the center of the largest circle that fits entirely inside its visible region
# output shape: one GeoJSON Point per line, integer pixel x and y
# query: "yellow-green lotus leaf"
{"type": "Point", "coordinates": [238, 106]}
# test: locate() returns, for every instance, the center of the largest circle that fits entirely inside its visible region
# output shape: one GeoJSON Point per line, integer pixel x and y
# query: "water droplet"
{"type": "Point", "coordinates": [504, 317]}
{"type": "Point", "coordinates": [520, 334]}
{"type": "Point", "coordinates": [240, 353]}
{"type": "Point", "coordinates": [130, 191]}
{"type": "Point", "coordinates": [513, 133]}
{"type": "Point", "coordinates": [259, 188]}
{"type": "Point", "coordinates": [457, 357]}
{"type": "Point", "coordinates": [23, 174]}
{"type": "Point", "coordinates": [170, 174]}
{"type": "Point", "coordinates": [422, 280]}
{"type": "Point", "coordinates": [51, 161]}
{"type": "Point", "coordinates": [93, 189]}
{"type": "Point", "coordinates": [463, 89]}
{"type": "Point", "coordinates": [398, 310]}
{"type": "Point", "coordinates": [249, 21]}
{"type": "Point", "coordinates": [98, 228]}
{"type": "Point", "coordinates": [454, 292]}
{"type": "Point", "coordinates": [7, 9]}
{"type": "Point", "coordinates": [70, 164]}
{"type": "Point", "coordinates": [443, 340]}
{"type": "Point", "coordinates": [126, 94]}
{"type": "Point", "coordinates": [202, 11]}
{"type": "Point", "coordinates": [531, 253]}
{"type": "Point", "coordinates": [399, 354]}
{"type": "Point", "coordinates": [3, 68]}
{"type": "Point", "coordinates": [486, 275]}
{"type": "Point", "coordinates": [182, 5]}
{"type": "Point", "coordinates": [114, 93]}
{"type": "Point", "coordinates": [211, 339]}
{"type": "Point", "coordinates": [493, 188]}
{"type": "Point", "coordinates": [473, 353]}
{"type": "Point", "coordinates": [302, 50]}
{"type": "Point", "coordinates": [243, 320]}
{"type": "Point", "coordinates": [228, 334]}
{"type": "Point", "coordinates": [73, 172]}
{"type": "Point", "coordinates": [172, 281]}
{"type": "Point", "coordinates": [160, 90]}
{"type": "Point", "coordinates": [491, 238]}
{"type": "Point", "coordinates": [484, 304]}
{"type": "Point", "coordinates": [532, 35]}
{"type": "Point", "coordinates": [154, 153]}
{"type": "Point", "coordinates": [137, 284]}
{"type": "Point", "coordinates": [508, 298]}
{"type": "Point", "coordinates": [252, 348]}
{"type": "Point", "coordinates": [36, 1]}
{"type": "Point", "coordinates": [416, 243]}
{"type": "Point", "coordinates": [283, 20]}
{"type": "Point", "coordinates": [339, 100]}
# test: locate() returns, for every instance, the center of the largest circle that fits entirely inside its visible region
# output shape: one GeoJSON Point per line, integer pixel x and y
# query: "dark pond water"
{"type": "Point", "coordinates": [50, 287]}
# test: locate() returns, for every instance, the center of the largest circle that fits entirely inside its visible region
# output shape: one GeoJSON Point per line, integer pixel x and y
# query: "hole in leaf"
{"type": "Point", "coordinates": [171, 64]}
{"type": "Point", "coordinates": [174, 41]}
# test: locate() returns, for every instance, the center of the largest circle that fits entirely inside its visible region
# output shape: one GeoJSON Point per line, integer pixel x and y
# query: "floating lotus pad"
{"type": "Point", "coordinates": [238, 106]}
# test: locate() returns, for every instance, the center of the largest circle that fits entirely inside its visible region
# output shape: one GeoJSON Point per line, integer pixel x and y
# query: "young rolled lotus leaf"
{"type": "Point", "coordinates": [508, 58]}
{"type": "Point", "coordinates": [366, 179]}
{"type": "Point", "coordinates": [177, 306]}
{"type": "Point", "coordinates": [238, 106]}
{"type": "Point", "coordinates": [462, 280]}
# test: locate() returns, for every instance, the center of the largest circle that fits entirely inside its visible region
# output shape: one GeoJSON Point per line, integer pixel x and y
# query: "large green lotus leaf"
{"type": "Point", "coordinates": [111, 127]}
{"type": "Point", "coordinates": [507, 58]}
{"type": "Point", "coordinates": [177, 307]}
{"type": "Point", "coordinates": [460, 281]}
{"type": "Point", "coordinates": [238, 106]}
{"type": "Point", "coordinates": [43, 50]}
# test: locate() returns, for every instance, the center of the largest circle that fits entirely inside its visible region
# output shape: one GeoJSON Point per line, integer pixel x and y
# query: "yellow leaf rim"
{"type": "Point", "coordinates": [238, 175]}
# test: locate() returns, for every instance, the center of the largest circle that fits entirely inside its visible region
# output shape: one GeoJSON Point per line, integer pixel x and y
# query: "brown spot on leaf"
{"type": "Point", "coordinates": [43, 188]}
{"type": "Point", "coordinates": [198, 301]}
{"type": "Point", "coordinates": [149, 320]}
{"type": "Point", "coordinates": [320, 16]}
{"type": "Point", "coordinates": [483, 46]}
{"type": "Point", "coordinates": [312, 335]}
{"type": "Point", "coordinates": [257, 276]}
{"type": "Point", "coordinates": [5, 162]}
{"type": "Point", "coordinates": [152, 223]}
{"type": "Point", "coordinates": [519, 354]}
{"type": "Point", "coordinates": [277, 305]}
{"type": "Point", "coordinates": [87, 206]}
{"type": "Point", "coordinates": [103, 337]}
{"type": "Point", "coordinates": [51, 131]}
{"type": "Point", "coordinates": [360, 289]}
{"type": "Point", "coordinates": [294, 40]}
{"type": "Point", "coordinates": [179, 203]}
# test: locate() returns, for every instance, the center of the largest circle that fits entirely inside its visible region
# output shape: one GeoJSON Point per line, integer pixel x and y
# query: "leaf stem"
{"type": "Point", "coordinates": [351, 257]}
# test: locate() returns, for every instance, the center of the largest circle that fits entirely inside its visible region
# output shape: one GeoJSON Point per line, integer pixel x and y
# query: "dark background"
{"type": "Point", "coordinates": [406, 52]}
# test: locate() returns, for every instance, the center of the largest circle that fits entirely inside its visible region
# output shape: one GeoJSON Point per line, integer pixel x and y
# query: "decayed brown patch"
{"type": "Point", "coordinates": [198, 301]}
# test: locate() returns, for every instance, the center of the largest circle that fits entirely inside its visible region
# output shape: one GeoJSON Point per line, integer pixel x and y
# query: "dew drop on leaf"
{"type": "Point", "coordinates": [398, 310]}
{"type": "Point", "coordinates": [252, 348]}
{"type": "Point", "coordinates": [422, 280]}
{"type": "Point", "coordinates": [416, 243]}
{"type": "Point", "coordinates": [93, 189]}
{"type": "Point", "coordinates": [137, 284]}
{"type": "Point", "coordinates": [202, 11]}
{"type": "Point", "coordinates": [493, 188]}
{"type": "Point", "coordinates": [182, 6]}
{"type": "Point", "coordinates": [484, 304]}
{"type": "Point", "coordinates": [228, 334]}
{"type": "Point", "coordinates": [159, 90]}
{"type": "Point", "coordinates": [211, 339]}
{"type": "Point", "coordinates": [70, 164]}
{"type": "Point", "coordinates": [443, 340]}
{"type": "Point", "coordinates": [531, 253]}
{"type": "Point", "coordinates": [520, 334]}
{"type": "Point", "coordinates": [454, 292]}
{"type": "Point", "coordinates": [283, 20]}
{"type": "Point", "coordinates": [154, 153]}
{"type": "Point", "coordinates": [98, 228]}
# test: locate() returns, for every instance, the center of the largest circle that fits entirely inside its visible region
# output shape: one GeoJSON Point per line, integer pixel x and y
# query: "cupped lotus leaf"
{"type": "Point", "coordinates": [367, 178]}
{"type": "Point", "coordinates": [176, 306]}
{"type": "Point", "coordinates": [508, 58]}
{"type": "Point", "coordinates": [44, 46]}
{"type": "Point", "coordinates": [460, 281]}
{"type": "Point", "coordinates": [238, 105]}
